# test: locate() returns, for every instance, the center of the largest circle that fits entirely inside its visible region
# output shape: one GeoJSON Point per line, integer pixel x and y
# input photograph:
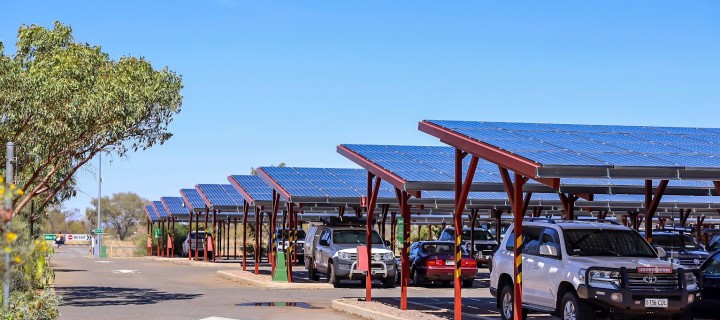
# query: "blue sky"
{"type": "Point", "coordinates": [287, 81]}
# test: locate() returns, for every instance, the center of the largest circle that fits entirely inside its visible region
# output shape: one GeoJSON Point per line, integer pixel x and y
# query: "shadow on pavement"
{"type": "Point", "coordinates": [69, 270]}
{"type": "Point", "coordinates": [93, 296]}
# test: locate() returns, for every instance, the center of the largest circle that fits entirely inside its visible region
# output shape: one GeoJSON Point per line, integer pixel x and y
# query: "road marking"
{"type": "Point", "coordinates": [217, 318]}
{"type": "Point", "coordinates": [103, 261]}
{"type": "Point", "coordinates": [125, 271]}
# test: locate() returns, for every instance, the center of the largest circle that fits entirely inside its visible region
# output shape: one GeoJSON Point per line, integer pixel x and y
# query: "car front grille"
{"type": "Point", "coordinates": [660, 282]}
{"type": "Point", "coordinates": [693, 262]}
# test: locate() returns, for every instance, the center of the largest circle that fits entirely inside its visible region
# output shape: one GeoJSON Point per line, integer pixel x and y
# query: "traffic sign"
{"type": "Point", "coordinates": [50, 236]}
{"type": "Point", "coordinates": [157, 233]}
{"type": "Point", "coordinates": [401, 232]}
{"type": "Point", "coordinates": [98, 231]}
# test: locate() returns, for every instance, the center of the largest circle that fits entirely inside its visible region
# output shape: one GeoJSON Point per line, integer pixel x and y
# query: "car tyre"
{"type": "Point", "coordinates": [572, 307]}
{"type": "Point", "coordinates": [468, 283]}
{"type": "Point", "coordinates": [506, 303]}
{"type": "Point", "coordinates": [418, 279]}
{"type": "Point", "coordinates": [312, 272]}
{"type": "Point", "coordinates": [388, 283]}
{"type": "Point", "coordinates": [332, 278]}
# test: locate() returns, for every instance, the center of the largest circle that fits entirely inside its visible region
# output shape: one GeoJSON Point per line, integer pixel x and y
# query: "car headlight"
{"type": "Point", "coordinates": [674, 260]}
{"type": "Point", "coordinates": [604, 279]}
{"type": "Point", "coordinates": [343, 255]}
{"type": "Point", "coordinates": [388, 256]}
{"type": "Point", "coordinates": [690, 278]}
{"type": "Point", "coordinates": [581, 275]}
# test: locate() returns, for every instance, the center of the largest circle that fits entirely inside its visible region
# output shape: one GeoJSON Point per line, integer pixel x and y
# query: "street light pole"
{"type": "Point", "coordinates": [98, 247]}
{"type": "Point", "coordinates": [9, 174]}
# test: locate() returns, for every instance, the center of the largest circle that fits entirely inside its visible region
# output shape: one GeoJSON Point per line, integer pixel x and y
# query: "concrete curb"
{"type": "Point", "coordinates": [245, 277]}
{"type": "Point", "coordinates": [186, 262]}
{"type": "Point", "coordinates": [340, 305]}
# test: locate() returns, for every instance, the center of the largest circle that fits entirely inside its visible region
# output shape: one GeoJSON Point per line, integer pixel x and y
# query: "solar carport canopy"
{"type": "Point", "coordinates": [193, 200]}
{"type": "Point", "coordinates": [252, 189]}
{"type": "Point", "coordinates": [222, 197]}
{"type": "Point", "coordinates": [540, 150]}
{"type": "Point", "coordinates": [429, 168]}
{"type": "Point", "coordinates": [150, 212]}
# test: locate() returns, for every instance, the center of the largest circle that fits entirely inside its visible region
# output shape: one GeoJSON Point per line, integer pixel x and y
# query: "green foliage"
{"type": "Point", "coordinates": [64, 101]}
{"type": "Point", "coordinates": [122, 211]}
{"type": "Point", "coordinates": [32, 306]}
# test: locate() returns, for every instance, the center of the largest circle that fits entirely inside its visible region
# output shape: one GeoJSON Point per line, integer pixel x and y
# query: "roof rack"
{"type": "Point", "coordinates": [536, 219]}
{"type": "Point", "coordinates": [344, 221]}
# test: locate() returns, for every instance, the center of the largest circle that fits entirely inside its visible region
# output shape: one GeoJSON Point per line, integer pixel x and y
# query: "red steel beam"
{"type": "Point", "coordinates": [370, 166]}
{"type": "Point", "coordinates": [272, 183]}
{"type": "Point", "coordinates": [526, 167]}
{"type": "Point", "coordinates": [652, 205]}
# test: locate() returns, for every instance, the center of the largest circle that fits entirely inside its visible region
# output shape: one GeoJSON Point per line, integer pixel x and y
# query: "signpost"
{"type": "Point", "coordinates": [156, 233]}
{"type": "Point", "coordinates": [50, 236]}
{"type": "Point", "coordinates": [98, 231]}
{"type": "Point", "coordinates": [401, 234]}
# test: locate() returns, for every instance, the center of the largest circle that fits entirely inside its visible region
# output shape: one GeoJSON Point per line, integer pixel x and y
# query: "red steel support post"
{"type": "Point", "coordinates": [405, 273]}
{"type": "Point", "coordinates": [235, 239]}
{"type": "Point", "coordinates": [393, 232]}
{"type": "Point", "coordinates": [205, 243]}
{"type": "Point", "coordinates": [197, 234]}
{"type": "Point", "coordinates": [651, 204]}
{"type": "Point", "coordinates": [462, 190]}
{"type": "Point", "coordinates": [258, 227]}
{"type": "Point", "coordinates": [214, 233]}
{"type": "Point", "coordinates": [246, 208]}
{"type": "Point", "coordinates": [514, 190]}
{"type": "Point", "coordinates": [372, 191]}
{"type": "Point", "coordinates": [273, 236]}
{"type": "Point", "coordinates": [287, 236]}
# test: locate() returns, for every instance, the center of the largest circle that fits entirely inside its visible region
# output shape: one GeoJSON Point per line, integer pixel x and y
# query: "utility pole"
{"type": "Point", "coordinates": [98, 247]}
{"type": "Point", "coordinates": [10, 156]}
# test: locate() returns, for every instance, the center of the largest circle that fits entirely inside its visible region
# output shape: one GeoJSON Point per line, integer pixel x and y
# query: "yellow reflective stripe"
{"type": "Point", "coordinates": [519, 278]}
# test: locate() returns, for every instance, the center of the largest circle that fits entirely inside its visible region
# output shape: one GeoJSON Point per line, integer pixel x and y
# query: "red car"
{"type": "Point", "coordinates": [434, 261]}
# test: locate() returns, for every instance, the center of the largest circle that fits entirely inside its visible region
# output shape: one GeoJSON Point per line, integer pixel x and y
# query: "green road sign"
{"type": "Point", "coordinates": [156, 233]}
{"type": "Point", "coordinates": [401, 232]}
{"type": "Point", "coordinates": [50, 236]}
{"type": "Point", "coordinates": [98, 231]}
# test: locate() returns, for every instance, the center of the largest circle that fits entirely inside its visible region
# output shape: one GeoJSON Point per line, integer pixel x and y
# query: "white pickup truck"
{"type": "Point", "coordinates": [579, 270]}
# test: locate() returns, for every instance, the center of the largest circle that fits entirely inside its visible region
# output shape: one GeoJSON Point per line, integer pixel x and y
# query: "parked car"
{"type": "Point", "coordinates": [710, 271]}
{"type": "Point", "coordinates": [189, 246]}
{"type": "Point", "coordinates": [432, 261]}
{"type": "Point", "coordinates": [281, 234]}
{"type": "Point", "coordinates": [485, 242]}
{"type": "Point", "coordinates": [680, 248]}
{"type": "Point", "coordinates": [577, 270]}
{"type": "Point", "coordinates": [331, 249]}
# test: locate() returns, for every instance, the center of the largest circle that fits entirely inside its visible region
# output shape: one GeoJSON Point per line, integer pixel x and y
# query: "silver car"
{"type": "Point", "coordinates": [189, 245]}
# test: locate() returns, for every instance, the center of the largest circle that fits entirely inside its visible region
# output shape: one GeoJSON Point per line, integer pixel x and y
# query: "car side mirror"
{"type": "Point", "coordinates": [387, 243]}
{"type": "Point", "coordinates": [324, 243]}
{"type": "Point", "coordinates": [661, 252]}
{"type": "Point", "coordinates": [548, 250]}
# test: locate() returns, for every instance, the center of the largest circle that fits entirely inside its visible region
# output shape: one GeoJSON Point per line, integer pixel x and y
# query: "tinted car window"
{"type": "Point", "coordinates": [713, 266]}
{"type": "Point", "coordinates": [531, 239]}
{"type": "Point", "coordinates": [599, 242]}
{"type": "Point", "coordinates": [480, 234]}
{"type": "Point", "coordinates": [355, 236]}
{"type": "Point", "coordinates": [552, 238]}
{"type": "Point", "coordinates": [438, 248]}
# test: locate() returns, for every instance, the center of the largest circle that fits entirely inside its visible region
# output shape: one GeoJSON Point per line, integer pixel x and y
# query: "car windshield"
{"type": "Point", "coordinates": [600, 242]}
{"type": "Point", "coordinates": [354, 236]}
{"type": "Point", "coordinates": [194, 235]}
{"type": "Point", "coordinates": [675, 241]}
{"type": "Point", "coordinates": [480, 234]}
{"type": "Point", "coordinates": [441, 248]}
{"type": "Point", "coordinates": [283, 234]}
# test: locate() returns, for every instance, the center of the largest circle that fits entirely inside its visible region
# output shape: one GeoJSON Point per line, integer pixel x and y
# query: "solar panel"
{"type": "Point", "coordinates": [159, 209]}
{"type": "Point", "coordinates": [326, 182]}
{"type": "Point", "coordinates": [174, 205]}
{"type": "Point", "coordinates": [607, 145]}
{"type": "Point", "coordinates": [220, 195]}
{"type": "Point", "coordinates": [194, 200]}
{"type": "Point", "coordinates": [150, 212]}
{"type": "Point", "coordinates": [254, 187]}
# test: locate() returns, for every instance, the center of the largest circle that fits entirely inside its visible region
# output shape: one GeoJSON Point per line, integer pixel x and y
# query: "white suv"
{"type": "Point", "coordinates": [576, 270]}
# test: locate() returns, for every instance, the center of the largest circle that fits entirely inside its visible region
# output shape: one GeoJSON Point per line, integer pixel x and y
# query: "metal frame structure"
{"type": "Point", "coordinates": [525, 169]}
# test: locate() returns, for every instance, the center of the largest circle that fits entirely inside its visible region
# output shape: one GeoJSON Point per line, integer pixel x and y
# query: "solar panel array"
{"type": "Point", "coordinates": [221, 195]}
{"type": "Point", "coordinates": [325, 182]}
{"type": "Point", "coordinates": [150, 212]}
{"type": "Point", "coordinates": [253, 186]}
{"type": "Point", "coordinates": [598, 145]}
{"type": "Point", "coordinates": [437, 164]}
{"type": "Point", "coordinates": [174, 205]}
{"type": "Point", "coordinates": [159, 209]}
{"type": "Point", "coordinates": [194, 200]}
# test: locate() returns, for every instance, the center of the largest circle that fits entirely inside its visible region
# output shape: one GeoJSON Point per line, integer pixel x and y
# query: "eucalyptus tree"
{"type": "Point", "coordinates": [62, 102]}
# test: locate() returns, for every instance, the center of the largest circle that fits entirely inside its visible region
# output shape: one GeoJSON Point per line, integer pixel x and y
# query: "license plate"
{"type": "Point", "coordinates": [449, 262]}
{"type": "Point", "coordinates": [656, 303]}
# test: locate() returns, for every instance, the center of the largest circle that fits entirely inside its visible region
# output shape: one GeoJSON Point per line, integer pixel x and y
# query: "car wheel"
{"type": "Point", "coordinates": [418, 279]}
{"type": "Point", "coordinates": [332, 278]}
{"type": "Point", "coordinates": [301, 260]}
{"type": "Point", "coordinates": [388, 283]}
{"type": "Point", "coordinates": [506, 303]}
{"type": "Point", "coordinates": [468, 283]}
{"type": "Point", "coordinates": [573, 308]}
{"type": "Point", "coordinates": [312, 272]}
